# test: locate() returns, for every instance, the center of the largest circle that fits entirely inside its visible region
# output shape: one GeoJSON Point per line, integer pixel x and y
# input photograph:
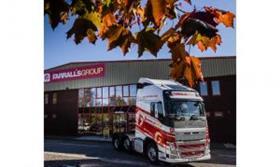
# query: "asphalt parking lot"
{"type": "Point", "coordinates": [67, 153]}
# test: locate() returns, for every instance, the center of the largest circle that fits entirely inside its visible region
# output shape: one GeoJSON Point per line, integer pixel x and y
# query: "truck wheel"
{"type": "Point", "coordinates": [152, 153]}
{"type": "Point", "coordinates": [116, 143]}
{"type": "Point", "coordinates": [127, 144]}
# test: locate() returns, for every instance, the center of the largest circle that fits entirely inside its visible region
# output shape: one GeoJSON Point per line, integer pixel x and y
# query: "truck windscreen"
{"type": "Point", "coordinates": [179, 107]}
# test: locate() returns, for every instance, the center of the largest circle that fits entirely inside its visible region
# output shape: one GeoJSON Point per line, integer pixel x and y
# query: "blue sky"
{"type": "Point", "coordinates": [58, 50]}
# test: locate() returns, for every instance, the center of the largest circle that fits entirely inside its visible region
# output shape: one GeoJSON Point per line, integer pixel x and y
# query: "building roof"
{"type": "Point", "coordinates": [127, 72]}
{"type": "Point", "coordinates": [79, 63]}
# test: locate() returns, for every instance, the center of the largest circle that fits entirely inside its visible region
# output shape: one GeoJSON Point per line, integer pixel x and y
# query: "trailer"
{"type": "Point", "coordinates": [170, 124]}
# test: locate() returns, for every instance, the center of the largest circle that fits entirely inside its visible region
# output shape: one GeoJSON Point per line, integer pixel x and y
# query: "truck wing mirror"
{"type": "Point", "coordinates": [139, 85]}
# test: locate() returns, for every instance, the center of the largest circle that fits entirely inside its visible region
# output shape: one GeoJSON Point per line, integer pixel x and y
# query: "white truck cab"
{"type": "Point", "coordinates": [170, 123]}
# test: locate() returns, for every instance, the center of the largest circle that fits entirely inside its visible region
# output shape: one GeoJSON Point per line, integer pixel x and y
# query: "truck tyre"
{"type": "Point", "coordinates": [152, 153]}
{"type": "Point", "coordinates": [126, 144]}
{"type": "Point", "coordinates": [116, 143]}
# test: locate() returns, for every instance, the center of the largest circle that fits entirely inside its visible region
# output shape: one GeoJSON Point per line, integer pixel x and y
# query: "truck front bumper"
{"type": "Point", "coordinates": [184, 160]}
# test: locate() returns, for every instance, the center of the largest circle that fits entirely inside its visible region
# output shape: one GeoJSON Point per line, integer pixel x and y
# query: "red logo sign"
{"type": "Point", "coordinates": [84, 72]}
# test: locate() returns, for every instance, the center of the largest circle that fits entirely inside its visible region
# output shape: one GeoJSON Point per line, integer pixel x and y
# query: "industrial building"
{"type": "Point", "coordinates": [98, 98]}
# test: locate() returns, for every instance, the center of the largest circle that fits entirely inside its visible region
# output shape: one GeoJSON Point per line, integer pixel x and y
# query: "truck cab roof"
{"type": "Point", "coordinates": [165, 84]}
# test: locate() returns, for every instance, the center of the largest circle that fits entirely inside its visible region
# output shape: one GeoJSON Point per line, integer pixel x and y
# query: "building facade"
{"type": "Point", "coordinates": [98, 98]}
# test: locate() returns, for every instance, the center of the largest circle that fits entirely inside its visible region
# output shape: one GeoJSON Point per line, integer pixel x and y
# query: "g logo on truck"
{"type": "Point", "coordinates": [158, 137]}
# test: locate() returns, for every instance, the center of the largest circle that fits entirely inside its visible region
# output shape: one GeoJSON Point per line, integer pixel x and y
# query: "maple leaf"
{"type": "Point", "coordinates": [204, 42]}
{"type": "Point", "coordinates": [169, 10]}
{"type": "Point", "coordinates": [117, 35]}
{"type": "Point", "coordinates": [146, 39]}
{"type": "Point", "coordinates": [177, 70]}
{"type": "Point", "coordinates": [80, 7]}
{"type": "Point", "coordinates": [178, 52]}
{"type": "Point", "coordinates": [190, 26]}
{"type": "Point", "coordinates": [221, 16]}
{"type": "Point", "coordinates": [193, 72]}
{"type": "Point", "coordinates": [57, 11]}
{"type": "Point", "coordinates": [80, 29]}
{"type": "Point", "coordinates": [94, 17]}
{"type": "Point", "coordinates": [108, 20]}
{"type": "Point", "coordinates": [158, 10]}
{"type": "Point", "coordinates": [91, 36]}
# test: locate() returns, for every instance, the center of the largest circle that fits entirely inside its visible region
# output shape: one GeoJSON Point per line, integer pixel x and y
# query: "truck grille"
{"type": "Point", "coordinates": [191, 149]}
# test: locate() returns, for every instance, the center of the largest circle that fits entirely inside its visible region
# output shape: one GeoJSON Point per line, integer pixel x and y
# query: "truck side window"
{"type": "Point", "coordinates": [156, 109]}
{"type": "Point", "coordinates": [159, 109]}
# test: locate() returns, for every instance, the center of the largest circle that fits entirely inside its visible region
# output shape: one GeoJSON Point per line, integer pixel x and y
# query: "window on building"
{"type": "Point", "coordinates": [54, 98]}
{"type": "Point", "coordinates": [126, 90]}
{"type": "Point", "coordinates": [105, 91]}
{"type": "Point", "coordinates": [112, 91]}
{"type": "Point", "coordinates": [46, 98]}
{"type": "Point", "coordinates": [81, 97]}
{"type": "Point", "coordinates": [203, 88]}
{"type": "Point", "coordinates": [105, 102]}
{"type": "Point", "coordinates": [98, 92]}
{"type": "Point", "coordinates": [216, 88]}
{"type": "Point", "coordinates": [93, 93]}
{"type": "Point", "coordinates": [119, 91]}
{"type": "Point", "coordinates": [132, 90]}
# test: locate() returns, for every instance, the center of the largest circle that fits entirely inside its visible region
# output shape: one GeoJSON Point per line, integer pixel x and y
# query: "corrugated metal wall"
{"type": "Point", "coordinates": [126, 72]}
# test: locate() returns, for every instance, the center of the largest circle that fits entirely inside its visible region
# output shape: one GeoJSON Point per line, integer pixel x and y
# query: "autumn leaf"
{"type": "Point", "coordinates": [193, 72]}
{"type": "Point", "coordinates": [57, 11]}
{"type": "Point", "coordinates": [221, 16]}
{"type": "Point", "coordinates": [204, 42]}
{"type": "Point", "coordinates": [82, 28]}
{"type": "Point", "coordinates": [178, 52]}
{"type": "Point", "coordinates": [158, 10]}
{"type": "Point", "coordinates": [190, 26]}
{"type": "Point", "coordinates": [94, 17]}
{"type": "Point", "coordinates": [91, 36]}
{"type": "Point", "coordinates": [169, 11]}
{"type": "Point", "coordinates": [108, 20]}
{"type": "Point", "coordinates": [147, 39]}
{"type": "Point", "coordinates": [177, 70]}
{"type": "Point", "coordinates": [117, 35]}
{"type": "Point", "coordinates": [169, 33]}
{"type": "Point", "coordinates": [81, 7]}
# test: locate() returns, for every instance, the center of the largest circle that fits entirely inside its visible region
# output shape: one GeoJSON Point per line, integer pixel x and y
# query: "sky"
{"type": "Point", "coordinates": [58, 50]}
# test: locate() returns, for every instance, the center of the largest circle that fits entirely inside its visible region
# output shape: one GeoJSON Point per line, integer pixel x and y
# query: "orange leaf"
{"type": "Point", "coordinates": [221, 16]}
{"type": "Point", "coordinates": [108, 19]}
{"type": "Point", "coordinates": [158, 10]}
{"type": "Point", "coordinates": [91, 36]}
{"type": "Point", "coordinates": [226, 18]}
{"type": "Point", "coordinates": [177, 70]}
{"type": "Point", "coordinates": [193, 72]}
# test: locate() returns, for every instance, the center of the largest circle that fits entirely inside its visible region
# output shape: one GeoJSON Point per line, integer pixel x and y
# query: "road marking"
{"type": "Point", "coordinates": [70, 155]}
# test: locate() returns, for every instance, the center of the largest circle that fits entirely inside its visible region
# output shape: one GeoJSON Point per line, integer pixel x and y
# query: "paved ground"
{"type": "Point", "coordinates": [66, 153]}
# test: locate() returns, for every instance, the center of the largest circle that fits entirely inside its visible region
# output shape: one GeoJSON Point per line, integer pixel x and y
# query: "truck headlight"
{"type": "Point", "coordinates": [172, 148]}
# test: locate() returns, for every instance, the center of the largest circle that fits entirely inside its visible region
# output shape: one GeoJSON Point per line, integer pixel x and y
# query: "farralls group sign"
{"type": "Point", "coordinates": [84, 72]}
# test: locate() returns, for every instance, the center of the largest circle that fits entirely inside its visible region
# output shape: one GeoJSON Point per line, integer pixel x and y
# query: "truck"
{"type": "Point", "coordinates": [170, 124]}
